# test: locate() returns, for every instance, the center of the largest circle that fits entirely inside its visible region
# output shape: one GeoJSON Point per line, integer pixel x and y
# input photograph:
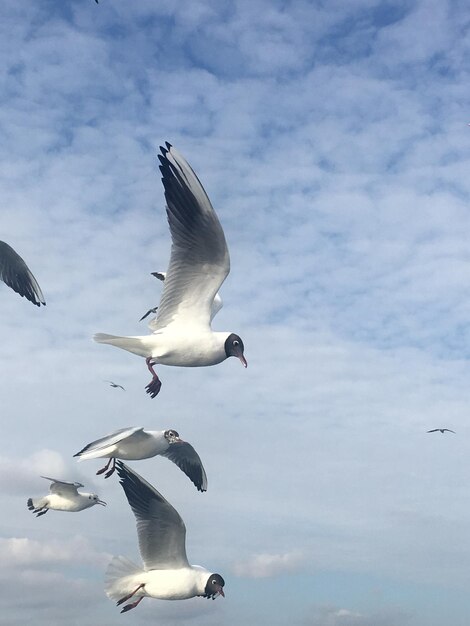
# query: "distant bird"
{"type": "Point", "coordinates": [114, 385]}
{"type": "Point", "coordinates": [166, 573]}
{"type": "Point", "coordinates": [199, 264]}
{"type": "Point", "coordinates": [63, 496]}
{"type": "Point", "coordinates": [133, 444]}
{"type": "Point", "coordinates": [441, 430]}
{"type": "Point", "coordinates": [149, 312]}
{"type": "Point", "coordinates": [16, 274]}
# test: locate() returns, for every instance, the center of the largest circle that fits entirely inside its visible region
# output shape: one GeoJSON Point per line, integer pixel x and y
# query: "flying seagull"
{"type": "Point", "coordinates": [63, 496]}
{"type": "Point", "coordinates": [166, 573]}
{"type": "Point", "coordinates": [441, 430]}
{"type": "Point", "coordinates": [133, 444]}
{"type": "Point", "coordinates": [16, 274]}
{"type": "Point", "coordinates": [199, 264]}
{"type": "Point", "coordinates": [114, 385]}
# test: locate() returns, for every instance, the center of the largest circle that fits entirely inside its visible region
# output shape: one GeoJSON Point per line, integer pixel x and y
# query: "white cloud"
{"type": "Point", "coordinates": [24, 552]}
{"type": "Point", "coordinates": [267, 565]}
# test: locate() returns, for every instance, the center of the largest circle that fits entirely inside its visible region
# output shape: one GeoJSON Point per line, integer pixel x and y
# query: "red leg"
{"type": "Point", "coordinates": [103, 469]}
{"type": "Point", "coordinates": [155, 384]}
{"type": "Point", "coordinates": [129, 596]}
{"type": "Point", "coordinates": [111, 471]}
{"type": "Point", "coordinates": [128, 607]}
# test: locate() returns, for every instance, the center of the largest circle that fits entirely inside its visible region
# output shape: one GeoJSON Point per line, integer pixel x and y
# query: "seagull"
{"type": "Point", "coordinates": [16, 274]}
{"type": "Point", "coordinates": [166, 573]}
{"type": "Point", "coordinates": [114, 385]}
{"type": "Point", "coordinates": [441, 430]}
{"type": "Point", "coordinates": [133, 444]}
{"type": "Point", "coordinates": [63, 496]}
{"type": "Point", "coordinates": [199, 264]}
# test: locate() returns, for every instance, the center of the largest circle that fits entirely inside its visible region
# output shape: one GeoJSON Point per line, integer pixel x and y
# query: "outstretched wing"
{"type": "Point", "coordinates": [62, 487]}
{"type": "Point", "coordinates": [188, 460]}
{"type": "Point", "coordinates": [96, 448]}
{"type": "Point", "coordinates": [161, 531]}
{"type": "Point", "coordinates": [16, 274]}
{"type": "Point", "coordinates": [199, 261]}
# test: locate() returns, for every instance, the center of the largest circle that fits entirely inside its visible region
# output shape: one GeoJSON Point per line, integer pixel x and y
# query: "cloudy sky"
{"type": "Point", "coordinates": [333, 140]}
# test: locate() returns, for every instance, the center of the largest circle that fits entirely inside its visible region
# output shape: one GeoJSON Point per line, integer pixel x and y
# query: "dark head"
{"type": "Point", "coordinates": [234, 347]}
{"type": "Point", "coordinates": [214, 586]}
{"type": "Point", "coordinates": [171, 436]}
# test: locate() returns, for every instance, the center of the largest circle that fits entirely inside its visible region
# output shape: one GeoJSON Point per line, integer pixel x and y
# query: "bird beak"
{"type": "Point", "coordinates": [221, 592]}
{"type": "Point", "coordinates": [102, 502]}
{"type": "Point", "coordinates": [239, 354]}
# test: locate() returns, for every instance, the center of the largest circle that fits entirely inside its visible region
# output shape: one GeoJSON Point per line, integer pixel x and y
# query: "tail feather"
{"type": "Point", "coordinates": [136, 345]}
{"type": "Point", "coordinates": [120, 577]}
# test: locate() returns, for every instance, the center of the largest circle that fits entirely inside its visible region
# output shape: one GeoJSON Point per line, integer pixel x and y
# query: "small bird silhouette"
{"type": "Point", "coordinates": [114, 385]}
{"type": "Point", "coordinates": [441, 430]}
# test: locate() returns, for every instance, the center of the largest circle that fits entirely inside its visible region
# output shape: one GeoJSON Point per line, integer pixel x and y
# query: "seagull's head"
{"type": "Point", "coordinates": [95, 499]}
{"type": "Point", "coordinates": [234, 347]}
{"type": "Point", "coordinates": [214, 586]}
{"type": "Point", "coordinates": [171, 436]}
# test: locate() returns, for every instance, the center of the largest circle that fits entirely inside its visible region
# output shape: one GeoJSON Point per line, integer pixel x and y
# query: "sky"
{"type": "Point", "coordinates": [333, 140]}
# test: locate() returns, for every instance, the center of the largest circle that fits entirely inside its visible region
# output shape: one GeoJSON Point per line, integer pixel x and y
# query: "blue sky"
{"type": "Point", "coordinates": [333, 140]}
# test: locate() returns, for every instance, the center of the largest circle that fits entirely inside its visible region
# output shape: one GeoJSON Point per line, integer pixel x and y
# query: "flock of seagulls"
{"type": "Point", "coordinates": [181, 335]}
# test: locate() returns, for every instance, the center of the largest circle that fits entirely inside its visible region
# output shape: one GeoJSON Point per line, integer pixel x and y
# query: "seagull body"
{"type": "Point", "coordinates": [199, 263]}
{"type": "Point", "coordinates": [166, 574]}
{"type": "Point", "coordinates": [441, 430]}
{"type": "Point", "coordinates": [63, 496]}
{"type": "Point", "coordinates": [135, 443]}
{"type": "Point", "coordinates": [16, 274]}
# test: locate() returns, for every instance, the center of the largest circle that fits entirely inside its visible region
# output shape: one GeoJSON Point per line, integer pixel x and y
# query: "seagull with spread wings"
{"type": "Point", "coordinates": [441, 430]}
{"type": "Point", "coordinates": [166, 573]}
{"type": "Point", "coordinates": [199, 264]}
{"type": "Point", "coordinates": [63, 496]}
{"type": "Point", "coordinates": [133, 444]}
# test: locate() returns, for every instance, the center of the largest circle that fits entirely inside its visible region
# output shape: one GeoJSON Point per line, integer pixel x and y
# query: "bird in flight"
{"type": "Point", "coordinates": [166, 573]}
{"type": "Point", "coordinates": [199, 264]}
{"type": "Point", "coordinates": [441, 430]}
{"type": "Point", "coordinates": [133, 444]}
{"type": "Point", "coordinates": [114, 385]}
{"type": "Point", "coordinates": [63, 496]}
{"type": "Point", "coordinates": [16, 274]}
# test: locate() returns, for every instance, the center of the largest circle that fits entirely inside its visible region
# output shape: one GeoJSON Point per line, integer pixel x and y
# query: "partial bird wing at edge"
{"type": "Point", "coordinates": [16, 274]}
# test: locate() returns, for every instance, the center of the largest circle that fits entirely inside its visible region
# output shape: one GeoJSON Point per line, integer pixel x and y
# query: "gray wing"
{"type": "Point", "coordinates": [16, 274]}
{"type": "Point", "coordinates": [188, 460]}
{"type": "Point", "coordinates": [199, 261]}
{"type": "Point", "coordinates": [160, 529]}
{"type": "Point", "coordinates": [109, 440]}
{"type": "Point", "coordinates": [62, 486]}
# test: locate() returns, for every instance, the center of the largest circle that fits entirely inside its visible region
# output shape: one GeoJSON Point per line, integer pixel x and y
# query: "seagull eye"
{"type": "Point", "coordinates": [213, 582]}
{"type": "Point", "coordinates": [236, 343]}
